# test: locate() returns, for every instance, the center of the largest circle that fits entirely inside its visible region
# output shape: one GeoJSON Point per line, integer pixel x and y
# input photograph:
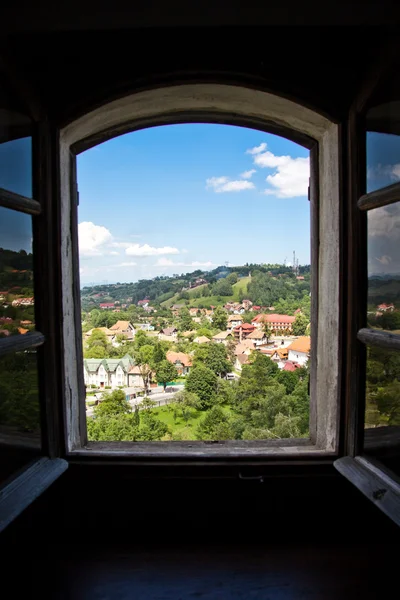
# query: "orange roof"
{"type": "Point", "coordinates": [235, 318]}
{"type": "Point", "coordinates": [256, 335]}
{"type": "Point", "coordinates": [185, 359]}
{"type": "Point", "coordinates": [22, 331]}
{"type": "Point", "coordinates": [120, 325]}
{"type": "Point", "coordinates": [273, 319]}
{"type": "Point", "coordinates": [302, 344]}
{"type": "Point", "coordinates": [243, 358]}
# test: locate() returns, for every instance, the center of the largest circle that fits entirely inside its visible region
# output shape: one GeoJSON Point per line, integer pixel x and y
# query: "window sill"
{"type": "Point", "coordinates": [198, 451]}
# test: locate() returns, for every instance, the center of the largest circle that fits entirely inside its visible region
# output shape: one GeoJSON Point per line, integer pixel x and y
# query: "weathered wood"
{"type": "Point", "coordinates": [373, 482]}
{"type": "Point", "coordinates": [382, 197]}
{"type": "Point", "coordinates": [314, 222]}
{"type": "Point", "coordinates": [382, 339]}
{"type": "Point", "coordinates": [77, 301]}
{"type": "Point", "coordinates": [17, 343]}
{"type": "Point", "coordinates": [382, 440]}
{"type": "Point", "coordinates": [17, 202]}
{"type": "Point", "coordinates": [48, 313]}
{"type": "Point", "coordinates": [355, 305]}
{"type": "Point", "coordinates": [17, 494]}
{"type": "Point", "coordinates": [239, 452]}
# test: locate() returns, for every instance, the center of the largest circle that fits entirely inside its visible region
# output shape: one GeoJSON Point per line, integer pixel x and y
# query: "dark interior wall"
{"type": "Point", "coordinates": [72, 72]}
{"type": "Point", "coordinates": [117, 505]}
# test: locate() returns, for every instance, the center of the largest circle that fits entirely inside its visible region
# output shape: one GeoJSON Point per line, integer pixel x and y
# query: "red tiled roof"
{"type": "Point", "coordinates": [185, 359]}
{"type": "Point", "coordinates": [273, 319]}
{"type": "Point", "coordinates": [291, 366]}
{"type": "Point", "coordinates": [245, 327]}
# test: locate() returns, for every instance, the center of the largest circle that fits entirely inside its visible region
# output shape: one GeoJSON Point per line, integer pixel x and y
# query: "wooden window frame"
{"type": "Point", "coordinates": [17, 492]}
{"type": "Point", "coordinates": [372, 478]}
{"type": "Point", "coordinates": [237, 106]}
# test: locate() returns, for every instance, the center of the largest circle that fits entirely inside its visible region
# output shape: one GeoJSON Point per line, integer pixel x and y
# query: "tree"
{"type": "Point", "coordinates": [215, 426]}
{"type": "Point", "coordinates": [97, 345]}
{"type": "Point", "coordinates": [114, 403]}
{"type": "Point", "coordinates": [220, 318]}
{"type": "Point", "coordinates": [202, 381]}
{"type": "Point", "coordinates": [158, 354]}
{"type": "Point", "coordinates": [187, 401]}
{"type": "Point", "coordinates": [222, 288]}
{"type": "Point", "coordinates": [300, 324]}
{"type": "Point", "coordinates": [213, 356]}
{"type": "Point", "coordinates": [165, 372]}
{"type": "Point", "coordinates": [144, 358]}
{"type": "Point", "coordinates": [185, 320]}
{"type": "Point", "coordinates": [232, 278]}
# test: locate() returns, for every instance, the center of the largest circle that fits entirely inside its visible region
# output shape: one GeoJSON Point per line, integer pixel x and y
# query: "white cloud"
{"type": "Point", "coordinates": [291, 176]}
{"type": "Point", "coordinates": [223, 184]}
{"type": "Point", "coordinates": [247, 174]}
{"type": "Point", "coordinates": [384, 260]}
{"type": "Point", "coordinates": [113, 253]}
{"type": "Point", "coordinates": [146, 250]}
{"type": "Point", "coordinates": [257, 149]}
{"type": "Point", "coordinates": [92, 238]}
{"type": "Point", "coordinates": [167, 262]}
{"type": "Point", "coordinates": [126, 264]}
{"type": "Point", "coordinates": [385, 222]}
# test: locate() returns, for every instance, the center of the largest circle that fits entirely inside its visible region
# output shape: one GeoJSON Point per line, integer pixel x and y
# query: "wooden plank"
{"type": "Point", "coordinates": [382, 197]}
{"type": "Point", "coordinates": [17, 343]}
{"type": "Point", "coordinates": [377, 337]}
{"type": "Point", "coordinates": [17, 202]}
{"type": "Point", "coordinates": [355, 281]}
{"type": "Point", "coordinates": [314, 222]}
{"type": "Point", "coordinates": [77, 301]}
{"type": "Point", "coordinates": [47, 291]}
{"type": "Point", "coordinates": [21, 491]}
{"type": "Point", "coordinates": [373, 482]}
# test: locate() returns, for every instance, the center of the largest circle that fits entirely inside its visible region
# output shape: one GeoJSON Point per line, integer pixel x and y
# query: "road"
{"type": "Point", "coordinates": [161, 398]}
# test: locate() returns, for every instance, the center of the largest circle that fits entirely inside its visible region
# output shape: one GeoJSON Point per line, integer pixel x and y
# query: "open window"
{"type": "Point", "coordinates": [237, 106]}
{"type": "Point", "coordinates": [374, 440]}
{"type": "Point", "coordinates": [25, 465]}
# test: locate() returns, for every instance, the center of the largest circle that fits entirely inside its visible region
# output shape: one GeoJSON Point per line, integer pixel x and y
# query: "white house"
{"type": "Point", "coordinates": [299, 350]}
{"type": "Point", "coordinates": [234, 321]}
{"type": "Point", "coordinates": [107, 372]}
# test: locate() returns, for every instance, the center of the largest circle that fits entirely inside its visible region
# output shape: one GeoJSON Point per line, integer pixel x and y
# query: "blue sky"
{"type": "Point", "coordinates": [176, 198]}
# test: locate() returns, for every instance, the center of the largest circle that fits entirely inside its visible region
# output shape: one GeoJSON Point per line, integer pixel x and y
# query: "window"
{"type": "Point", "coordinates": [171, 187]}
{"type": "Point", "coordinates": [314, 132]}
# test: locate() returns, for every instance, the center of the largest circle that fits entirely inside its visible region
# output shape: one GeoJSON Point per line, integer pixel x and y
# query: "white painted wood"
{"type": "Point", "coordinates": [19, 493]}
{"type": "Point", "coordinates": [224, 100]}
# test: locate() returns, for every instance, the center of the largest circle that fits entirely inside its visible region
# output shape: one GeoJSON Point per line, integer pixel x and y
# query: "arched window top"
{"type": "Point", "coordinates": [203, 102]}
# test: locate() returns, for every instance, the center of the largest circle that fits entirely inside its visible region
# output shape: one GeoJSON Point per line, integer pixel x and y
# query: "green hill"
{"type": "Point", "coordinates": [206, 301]}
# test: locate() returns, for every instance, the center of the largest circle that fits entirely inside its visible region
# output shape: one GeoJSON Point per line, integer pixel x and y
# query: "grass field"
{"type": "Point", "coordinates": [185, 429]}
{"type": "Point", "coordinates": [241, 285]}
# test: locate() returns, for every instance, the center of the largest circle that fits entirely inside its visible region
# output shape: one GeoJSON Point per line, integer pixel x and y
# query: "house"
{"type": "Point", "coordinates": [234, 321]}
{"type": "Point", "coordinates": [300, 278]}
{"type": "Point", "coordinates": [223, 337]}
{"type": "Point", "coordinates": [124, 328]}
{"type": "Point", "coordinates": [290, 366]}
{"type": "Point", "coordinates": [23, 302]}
{"type": "Point", "coordinates": [247, 304]}
{"type": "Point", "coordinates": [258, 337]}
{"type": "Point", "coordinates": [143, 303]}
{"type": "Point", "coordinates": [202, 339]}
{"type": "Point", "coordinates": [110, 335]}
{"type": "Point", "coordinates": [242, 331]}
{"type": "Point", "coordinates": [386, 307]}
{"type": "Point", "coordinates": [275, 322]}
{"type": "Point", "coordinates": [106, 305]}
{"type": "Point", "coordinates": [107, 372]}
{"type": "Point", "coordinates": [182, 361]}
{"type": "Point", "coordinates": [255, 308]}
{"type": "Point", "coordinates": [135, 378]}
{"type": "Point", "coordinates": [299, 350]}
{"type": "Point", "coordinates": [241, 359]}
{"type": "Point", "coordinates": [279, 356]}
{"type": "Point", "coordinates": [193, 311]}
{"type": "Point", "coordinates": [168, 332]}
{"type": "Point", "coordinates": [239, 310]}
{"type": "Point", "coordinates": [145, 326]}
{"type": "Point", "coordinates": [245, 347]}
